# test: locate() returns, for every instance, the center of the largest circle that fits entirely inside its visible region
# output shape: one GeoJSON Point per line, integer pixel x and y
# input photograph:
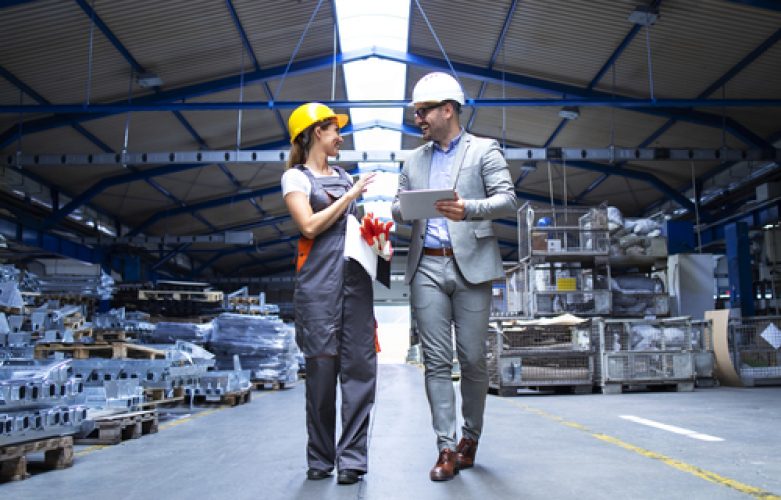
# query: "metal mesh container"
{"type": "Point", "coordinates": [643, 352]}
{"type": "Point", "coordinates": [554, 288]}
{"type": "Point", "coordinates": [755, 344]}
{"type": "Point", "coordinates": [702, 347]}
{"type": "Point", "coordinates": [528, 354]}
{"type": "Point", "coordinates": [562, 231]}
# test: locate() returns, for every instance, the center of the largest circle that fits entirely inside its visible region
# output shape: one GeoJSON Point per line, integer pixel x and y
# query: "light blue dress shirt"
{"type": "Point", "coordinates": [437, 235]}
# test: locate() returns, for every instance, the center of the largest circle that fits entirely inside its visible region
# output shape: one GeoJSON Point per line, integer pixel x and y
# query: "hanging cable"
{"type": "Point", "coordinates": [333, 67]}
{"type": "Point", "coordinates": [241, 101]}
{"type": "Point", "coordinates": [648, 52]}
{"type": "Point", "coordinates": [89, 55]}
{"type": "Point", "coordinates": [696, 208]}
{"type": "Point", "coordinates": [439, 44]}
{"type": "Point", "coordinates": [298, 46]}
{"type": "Point", "coordinates": [550, 191]}
{"type": "Point", "coordinates": [127, 118]}
{"type": "Point", "coordinates": [723, 116]}
{"type": "Point", "coordinates": [612, 146]}
{"type": "Point", "coordinates": [21, 132]}
{"type": "Point", "coordinates": [504, 96]}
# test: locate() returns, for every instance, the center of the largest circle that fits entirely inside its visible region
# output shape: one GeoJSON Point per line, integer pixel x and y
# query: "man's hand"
{"type": "Point", "coordinates": [454, 209]}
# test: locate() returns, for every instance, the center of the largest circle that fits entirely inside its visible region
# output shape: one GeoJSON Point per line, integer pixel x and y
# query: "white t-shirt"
{"type": "Point", "coordinates": [295, 180]}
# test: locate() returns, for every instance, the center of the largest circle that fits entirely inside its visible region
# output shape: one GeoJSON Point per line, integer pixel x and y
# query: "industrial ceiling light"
{"type": "Point", "coordinates": [644, 15]}
{"type": "Point", "coordinates": [148, 80]}
{"type": "Point", "coordinates": [569, 112]}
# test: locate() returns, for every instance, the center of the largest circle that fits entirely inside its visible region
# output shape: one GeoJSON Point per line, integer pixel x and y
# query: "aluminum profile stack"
{"type": "Point", "coordinates": [39, 400]}
{"type": "Point", "coordinates": [215, 384]}
{"type": "Point", "coordinates": [265, 345]}
{"type": "Point", "coordinates": [151, 373]}
{"type": "Point", "coordinates": [99, 287]}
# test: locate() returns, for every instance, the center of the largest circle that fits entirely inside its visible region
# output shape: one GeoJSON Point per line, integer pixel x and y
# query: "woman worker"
{"type": "Point", "coordinates": [333, 297]}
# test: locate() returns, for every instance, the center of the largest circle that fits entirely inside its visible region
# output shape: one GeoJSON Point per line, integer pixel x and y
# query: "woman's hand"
{"type": "Point", "coordinates": [360, 186]}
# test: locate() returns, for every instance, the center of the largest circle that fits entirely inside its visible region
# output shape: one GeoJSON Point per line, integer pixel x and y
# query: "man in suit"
{"type": "Point", "coordinates": [452, 261]}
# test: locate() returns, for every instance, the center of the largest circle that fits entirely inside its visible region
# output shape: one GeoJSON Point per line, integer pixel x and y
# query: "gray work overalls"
{"type": "Point", "coordinates": [335, 330]}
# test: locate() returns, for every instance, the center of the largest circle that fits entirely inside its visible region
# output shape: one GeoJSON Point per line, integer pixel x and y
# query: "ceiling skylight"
{"type": "Point", "coordinates": [363, 25]}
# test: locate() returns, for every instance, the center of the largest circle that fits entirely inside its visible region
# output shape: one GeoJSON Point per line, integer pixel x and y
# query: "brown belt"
{"type": "Point", "coordinates": [438, 252]}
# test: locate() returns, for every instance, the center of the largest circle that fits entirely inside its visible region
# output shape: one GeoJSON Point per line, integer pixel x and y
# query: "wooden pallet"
{"type": "Point", "coordinates": [618, 388]}
{"type": "Point", "coordinates": [112, 335]}
{"type": "Point", "coordinates": [114, 429]}
{"type": "Point", "coordinates": [229, 399]}
{"type": "Point", "coordinates": [154, 398]}
{"type": "Point", "coordinates": [58, 454]}
{"type": "Point", "coordinates": [191, 295]}
{"type": "Point", "coordinates": [111, 350]}
{"type": "Point", "coordinates": [275, 385]}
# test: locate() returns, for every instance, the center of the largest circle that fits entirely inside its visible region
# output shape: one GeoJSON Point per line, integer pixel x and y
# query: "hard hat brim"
{"type": "Point", "coordinates": [341, 120]}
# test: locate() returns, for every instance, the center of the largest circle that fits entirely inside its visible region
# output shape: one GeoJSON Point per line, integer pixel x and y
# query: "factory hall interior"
{"type": "Point", "coordinates": [390, 249]}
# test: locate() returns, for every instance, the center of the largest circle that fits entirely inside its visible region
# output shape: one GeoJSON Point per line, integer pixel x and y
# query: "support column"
{"type": "Point", "coordinates": [739, 268]}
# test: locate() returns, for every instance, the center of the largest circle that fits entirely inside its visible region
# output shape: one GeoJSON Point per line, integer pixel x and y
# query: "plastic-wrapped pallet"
{"type": "Point", "coordinates": [265, 344]}
{"type": "Point", "coordinates": [165, 332]}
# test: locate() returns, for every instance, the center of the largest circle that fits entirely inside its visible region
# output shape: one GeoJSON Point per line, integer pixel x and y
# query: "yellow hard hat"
{"type": "Point", "coordinates": [308, 114]}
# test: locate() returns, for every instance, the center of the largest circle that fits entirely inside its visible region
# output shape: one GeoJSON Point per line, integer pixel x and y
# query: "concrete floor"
{"type": "Point", "coordinates": [551, 447]}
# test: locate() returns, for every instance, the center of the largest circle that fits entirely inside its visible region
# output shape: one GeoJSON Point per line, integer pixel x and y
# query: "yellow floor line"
{"type": "Point", "coordinates": [676, 464]}
{"type": "Point", "coordinates": [165, 426]}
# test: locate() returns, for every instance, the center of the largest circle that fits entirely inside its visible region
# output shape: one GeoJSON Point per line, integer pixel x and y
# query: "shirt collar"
{"type": "Point", "coordinates": [452, 145]}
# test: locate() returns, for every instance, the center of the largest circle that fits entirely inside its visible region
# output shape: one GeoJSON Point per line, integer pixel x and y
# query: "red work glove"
{"type": "Point", "coordinates": [377, 235]}
{"type": "Point", "coordinates": [382, 232]}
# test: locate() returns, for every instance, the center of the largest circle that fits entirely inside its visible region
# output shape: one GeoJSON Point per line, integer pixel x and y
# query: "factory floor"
{"type": "Point", "coordinates": [725, 444]}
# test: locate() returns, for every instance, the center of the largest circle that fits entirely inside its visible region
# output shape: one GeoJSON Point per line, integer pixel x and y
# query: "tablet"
{"type": "Point", "coordinates": [419, 204]}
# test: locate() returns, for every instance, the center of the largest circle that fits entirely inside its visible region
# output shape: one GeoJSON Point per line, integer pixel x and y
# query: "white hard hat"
{"type": "Point", "coordinates": [437, 87]}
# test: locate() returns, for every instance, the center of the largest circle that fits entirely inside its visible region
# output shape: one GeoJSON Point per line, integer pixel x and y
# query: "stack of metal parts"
{"type": "Point", "coordinates": [215, 384]}
{"type": "Point", "coordinates": [183, 367]}
{"type": "Point", "coordinates": [99, 287]}
{"type": "Point", "coordinates": [118, 319]}
{"type": "Point", "coordinates": [265, 344]}
{"type": "Point", "coordinates": [49, 321]}
{"type": "Point", "coordinates": [14, 343]}
{"type": "Point", "coordinates": [39, 400]}
{"type": "Point", "coordinates": [151, 373]}
{"type": "Point", "coordinates": [170, 332]}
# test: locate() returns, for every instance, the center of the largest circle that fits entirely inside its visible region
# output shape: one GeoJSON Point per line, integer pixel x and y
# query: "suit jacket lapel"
{"type": "Point", "coordinates": [463, 146]}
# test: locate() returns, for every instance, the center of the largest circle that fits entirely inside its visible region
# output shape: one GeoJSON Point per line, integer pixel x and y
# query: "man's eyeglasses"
{"type": "Point", "coordinates": [422, 112]}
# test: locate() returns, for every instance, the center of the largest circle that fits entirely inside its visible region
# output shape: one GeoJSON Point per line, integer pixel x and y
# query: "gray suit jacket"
{"type": "Point", "coordinates": [484, 183]}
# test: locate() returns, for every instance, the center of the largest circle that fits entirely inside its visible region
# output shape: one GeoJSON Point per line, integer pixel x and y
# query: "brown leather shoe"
{"type": "Point", "coordinates": [465, 453]}
{"type": "Point", "coordinates": [445, 468]}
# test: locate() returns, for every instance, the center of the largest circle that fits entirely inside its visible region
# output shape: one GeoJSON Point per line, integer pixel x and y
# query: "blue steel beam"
{"type": "Point", "coordinates": [213, 203]}
{"type": "Point", "coordinates": [321, 63]}
{"type": "Point", "coordinates": [760, 4]}
{"type": "Point", "coordinates": [608, 64]}
{"type": "Point", "coordinates": [633, 174]}
{"type": "Point", "coordinates": [139, 69]}
{"type": "Point", "coordinates": [499, 44]}
{"type": "Point", "coordinates": [170, 255]}
{"type": "Point", "coordinates": [723, 79]}
{"type": "Point", "coordinates": [12, 3]}
{"type": "Point", "coordinates": [117, 180]}
{"type": "Point", "coordinates": [248, 249]}
{"type": "Point", "coordinates": [679, 108]}
{"type": "Point", "coordinates": [248, 47]}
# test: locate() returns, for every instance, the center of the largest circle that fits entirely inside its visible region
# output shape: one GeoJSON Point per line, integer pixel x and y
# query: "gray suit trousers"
{"type": "Point", "coordinates": [439, 293]}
